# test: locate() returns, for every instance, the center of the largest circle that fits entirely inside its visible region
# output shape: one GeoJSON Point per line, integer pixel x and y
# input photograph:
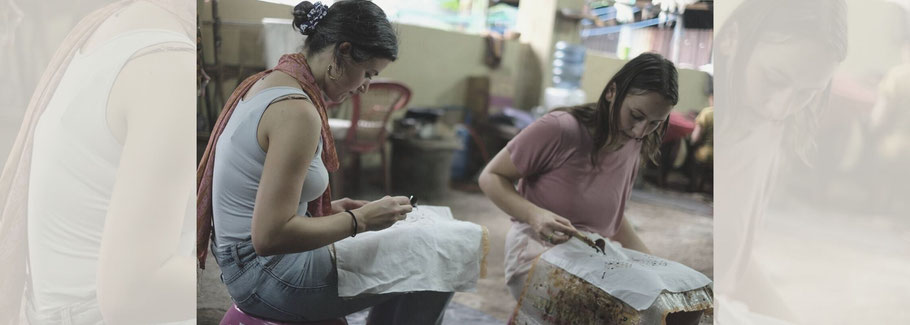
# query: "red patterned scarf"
{"type": "Point", "coordinates": [296, 66]}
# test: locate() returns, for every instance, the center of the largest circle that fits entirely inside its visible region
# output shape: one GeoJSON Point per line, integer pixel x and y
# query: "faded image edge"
{"type": "Point", "coordinates": [96, 191]}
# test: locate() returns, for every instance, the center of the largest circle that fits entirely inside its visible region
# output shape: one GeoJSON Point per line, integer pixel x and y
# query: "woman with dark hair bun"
{"type": "Point", "coordinates": [264, 178]}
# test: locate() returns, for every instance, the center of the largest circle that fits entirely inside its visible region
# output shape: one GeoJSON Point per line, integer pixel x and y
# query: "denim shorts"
{"type": "Point", "coordinates": [296, 287]}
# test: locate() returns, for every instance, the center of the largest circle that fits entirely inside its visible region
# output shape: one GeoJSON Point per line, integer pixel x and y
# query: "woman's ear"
{"type": "Point", "coordinates": [344, 48]}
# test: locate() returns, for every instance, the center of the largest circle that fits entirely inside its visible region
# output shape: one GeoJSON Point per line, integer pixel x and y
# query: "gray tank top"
{"type": "Point", "coordinates": [238, 169]}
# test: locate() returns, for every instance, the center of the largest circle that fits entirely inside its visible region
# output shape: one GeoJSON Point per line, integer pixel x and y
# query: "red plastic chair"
{"type": "Point", "coordinates": [369, 118]}
{"type": "Point", "coordinates": [235, 316]}
{"type": "Point", "coordinates": [680, 127]}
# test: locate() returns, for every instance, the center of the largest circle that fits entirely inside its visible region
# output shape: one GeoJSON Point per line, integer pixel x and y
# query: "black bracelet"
{"type": "Point", "coordinates": [355, 222]}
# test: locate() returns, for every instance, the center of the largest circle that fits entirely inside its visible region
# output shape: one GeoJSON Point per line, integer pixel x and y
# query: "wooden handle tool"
{"type": "Point", "coordinates": [599, 245]}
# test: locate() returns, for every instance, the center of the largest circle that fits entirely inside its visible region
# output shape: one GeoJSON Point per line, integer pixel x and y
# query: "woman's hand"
{"type": "Point", "coordinates": [382, 213]}
{"type": "Point", "coordinates": [339, 206]}
{"type": "Point", "coordinates": [497, 182]}
{"type": "Point", "coordinates": [550, 227]}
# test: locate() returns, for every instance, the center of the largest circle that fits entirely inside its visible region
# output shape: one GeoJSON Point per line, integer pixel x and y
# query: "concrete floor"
{"type": "Point", "coordinates": [674, 225]}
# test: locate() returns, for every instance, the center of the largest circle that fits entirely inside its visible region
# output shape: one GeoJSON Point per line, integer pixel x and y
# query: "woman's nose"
{"type": "Point", "coordinates": [640, 130]}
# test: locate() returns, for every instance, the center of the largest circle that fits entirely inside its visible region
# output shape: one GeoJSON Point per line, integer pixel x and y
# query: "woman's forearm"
{"type": "Point", "coordinates": [300, 233]}
{"type": "Point", "coordinates": [629, 238]}
{"type": "Point", "coordinates": [501, 191]}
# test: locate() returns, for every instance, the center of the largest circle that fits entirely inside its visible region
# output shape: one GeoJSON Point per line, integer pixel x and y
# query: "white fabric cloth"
{"type": "Point", "coordinates": [633, 277]}
{"type": "Point", "coordinates": [428, 251]}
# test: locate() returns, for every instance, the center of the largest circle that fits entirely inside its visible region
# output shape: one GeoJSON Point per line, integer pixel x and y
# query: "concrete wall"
{"type": "Point", "coordinates": [600, 68]}
{"type": "Point", "coordinates": [436, 64]}
{"type": "Point", "coordinates": [541, 27]}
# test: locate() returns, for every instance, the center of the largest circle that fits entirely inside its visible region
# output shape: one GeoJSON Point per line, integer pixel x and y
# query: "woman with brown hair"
{"type": "Point", "coordinates": [575, 167]}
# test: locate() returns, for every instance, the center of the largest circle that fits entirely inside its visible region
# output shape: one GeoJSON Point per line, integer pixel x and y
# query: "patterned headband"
{"type": "Point", "coordinates": [313, 17]}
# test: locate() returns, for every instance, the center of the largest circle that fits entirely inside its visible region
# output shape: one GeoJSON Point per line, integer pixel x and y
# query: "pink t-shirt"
{"type": "Point", "coordinates": [553, 155]}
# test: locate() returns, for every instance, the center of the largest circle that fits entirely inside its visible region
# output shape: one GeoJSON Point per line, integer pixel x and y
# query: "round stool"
{"type": "Point", "coordinates": [235, 316]}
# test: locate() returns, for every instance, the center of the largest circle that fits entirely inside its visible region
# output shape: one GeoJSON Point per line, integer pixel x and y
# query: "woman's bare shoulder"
{"type": "Point", "coordinates": [273, 79]}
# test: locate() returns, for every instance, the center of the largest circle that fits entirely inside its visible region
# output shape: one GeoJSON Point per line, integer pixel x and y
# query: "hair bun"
{"type": "Point", "coordinates": [301, 9]}
{"type": "Point", "coordinates": [307, 15]}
